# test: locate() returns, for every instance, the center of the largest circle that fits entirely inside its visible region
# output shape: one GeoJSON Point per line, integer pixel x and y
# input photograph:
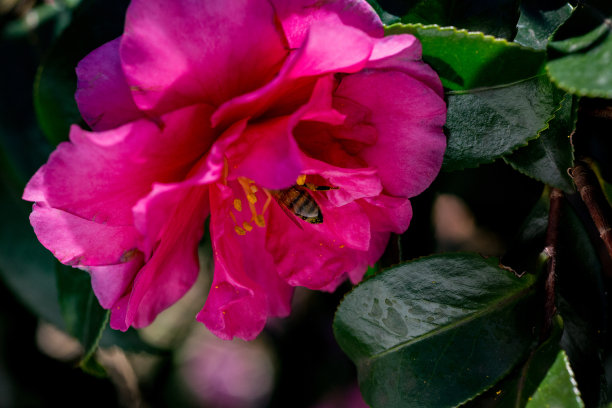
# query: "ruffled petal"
{"type": "Point", "coordinates": [403, 53]}
{"type": "Point", "coordinates": [246, 288]}
{"type": "Point", "coordinates": [318, 256]}
{"type": "Point", "coordinates": [173, 265]}
{"type": "Point", "coordinates": [179, 53]}
{"type": "Point", "coordinates": [410, 144]}
{"type": "Point", "coordinates": [297, 16]}
{"type": "Point", "coordinates": [317, 56]}
{"type": "Point", "coordinates": [266, 153]}
{"type": "Point", "coordinates": [111, 282]}
{"type": "Point", "coordinates": [103, 95]}
{"type": "Point", "coordinates": [77, 241]}
{"type": "Point", "coordinates": [99, 176]}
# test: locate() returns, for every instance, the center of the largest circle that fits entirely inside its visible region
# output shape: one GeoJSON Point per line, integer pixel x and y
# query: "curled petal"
{"type": "Point", "coordinates": [297, 16]}
{"type": "Point", "coordinates": [103, 95]}
{"type": "Point", "coordinates": [410, 145]}
{"type": "Point", "coordinates": [101, 175]}
{"type": "Point", "coordinates": [246, 288]}
{"type": "Point", "coordinates": [77, 241]}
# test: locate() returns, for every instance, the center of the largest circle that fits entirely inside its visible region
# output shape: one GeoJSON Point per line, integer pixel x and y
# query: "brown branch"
{"type": "Point", "coordinates": [595, 201]}
{"type": "Point", "coordinates": [552, 236]}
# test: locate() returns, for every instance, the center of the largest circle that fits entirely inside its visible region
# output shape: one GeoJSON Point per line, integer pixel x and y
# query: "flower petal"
{"type": "Point", "coordinates": [318, 256]}
{"type": "Point", "coordinates": [100, 176]}
{"type": "Point", "coordinates": [77, 241]}
{"type": "Point", "coordinates": [297, 16]}
{"type": "Point", "coordinates": [410, 145]}
{"type": "Point", "coordinates": [173, 266]}
{"type": "Point", "coordinates": [246, 288]}
{"type": "Point", "coordinates": [403, 53]}
{"type": "Point", "coordinates": [179, 53]}
{"type": "Point", "coordinates": [103, 96]}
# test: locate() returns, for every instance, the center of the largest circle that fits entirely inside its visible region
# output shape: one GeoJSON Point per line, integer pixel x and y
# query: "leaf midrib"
{"type": "Point", "coordinates": [503, 301]}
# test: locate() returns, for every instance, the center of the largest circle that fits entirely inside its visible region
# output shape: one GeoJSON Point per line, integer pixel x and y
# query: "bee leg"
{"type": "Point", "coordinates": [314, 187]}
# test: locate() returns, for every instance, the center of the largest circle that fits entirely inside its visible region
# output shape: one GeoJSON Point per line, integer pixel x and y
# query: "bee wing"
{"type": "Point", "coordinates": [291, 216]}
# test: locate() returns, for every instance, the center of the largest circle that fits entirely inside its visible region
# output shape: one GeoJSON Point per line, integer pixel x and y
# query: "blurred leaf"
{"type": "Point", "coordinates": [466, 60]}
{"type": "Point", "coordinates": [437, 331]}
{"type": "Point", "coordinates": [386, 18]}
{"type": "Point", "coordinates": [494, 17]}
{"type": "Point", "coordinates": [580, 61]}
{"type": "Point", "coordinates": [94, 23]}
{"type": "Point", "coordinates": [558, 388]}
{"type": "Point", "coordinates": [25, 265]}
{"type": "Point", "coordinates": [539, 20]}
{"type": "Point", "coordinates": [548, 157]}
{"type": "Point", "coordinates": [515, 390]}
{"type": "Point", "coordinates": [129, 341]}
{"type": "Point", "coordinates": [487, 123]}
{"type": "Point", "coordinates": [85, 318]}
{"type": "Point", "coordinates": [498, 96]}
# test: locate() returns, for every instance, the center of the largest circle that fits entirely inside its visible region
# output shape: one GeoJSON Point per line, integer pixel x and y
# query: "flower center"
{"type": "Point", "coordinates": [251, 196]}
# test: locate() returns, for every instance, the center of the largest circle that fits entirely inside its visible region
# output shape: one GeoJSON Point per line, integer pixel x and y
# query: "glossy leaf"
{"type": "Point", "coordinates": [558, 389]}
{"type": "Point", "coordinates": [488, 123]}
{"type": "Point", "coordinates": [581, 60]}
{"type": "Point", "coordinates": [466, 60]}
{"type": "Point", "coordinates": [539, 21]}
{"type": "Point", "coordinates": [498, 97]}
{"type": "Point", "coordinates": [548, 157]}
{"type": "Point", "coordinates": [515, 390]}
{"type": "Point", "coordinates": [493, 17]}
{"type": "Point", "coordinates": [437, 331]}
{"type": "Point", "coordinates": [85, 318]}
{"type": "Point", "coordinates": [94, 23]}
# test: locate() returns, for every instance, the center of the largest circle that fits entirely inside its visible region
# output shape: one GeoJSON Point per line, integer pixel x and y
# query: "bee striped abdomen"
{"type": "Point", "coordinates": [299, 202]}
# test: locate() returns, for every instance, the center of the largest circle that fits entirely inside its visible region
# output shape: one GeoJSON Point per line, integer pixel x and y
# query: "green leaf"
{"type": "Point", "coordinates": [488, 123]}
{"type": "Point", "coordinates": [539, 21]}
{"type": "Point", "coordinates": [85, 318]}
{"type": "Point", "coordinates": [558, 389]}
{"type": "Point", "coordinates": [94, 23]}
{"type": "Point", "coordinates": [26, 266]}
{"type": "Point", "coordinates": [548, 157]}
{"type": "Point", "coordinates": [493, 17]}
{"type": "Point", "coordinates": [515, 390]}
{"type": "Point", "coordinates": [580, 61]}
{"type": "Point", "coordinates": [498, 96]}
{"type": "Point", "coordinates": [385, 17]}
{"type": "Point", "coordinates": [466, 60]}
{"type": "Point", "coordinates": [437, 331]}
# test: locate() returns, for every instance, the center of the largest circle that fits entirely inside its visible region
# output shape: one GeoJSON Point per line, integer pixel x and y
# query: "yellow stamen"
{"type": "Point", "coordinates": [301, 180]}
{"type": "Point", "coordinates": [254, 188]}
{"type": "Point", "coordinates": [239, 230]}
{"type": "Point", "coordinates": [238, 204]}
{"type": "Point", "coordinates": [247, 226]}
{"type": "Point", "coordinates": [260, 221]}
{"type": "Point", "coordinates": [252, 198]}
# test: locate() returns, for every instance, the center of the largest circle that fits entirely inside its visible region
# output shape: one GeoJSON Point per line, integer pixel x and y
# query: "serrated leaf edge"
{"type": "Point", "coordinates": [455, 30]}
{"type": "Point", "coordinates": [554, 115]}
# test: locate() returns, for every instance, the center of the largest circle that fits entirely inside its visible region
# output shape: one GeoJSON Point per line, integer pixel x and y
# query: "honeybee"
{"type": "Point", "coordinates": [297, 201]}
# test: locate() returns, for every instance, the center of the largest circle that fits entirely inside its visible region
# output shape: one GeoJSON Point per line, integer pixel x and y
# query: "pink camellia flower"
{"type": "Point", "coordinates": [230, 109]}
